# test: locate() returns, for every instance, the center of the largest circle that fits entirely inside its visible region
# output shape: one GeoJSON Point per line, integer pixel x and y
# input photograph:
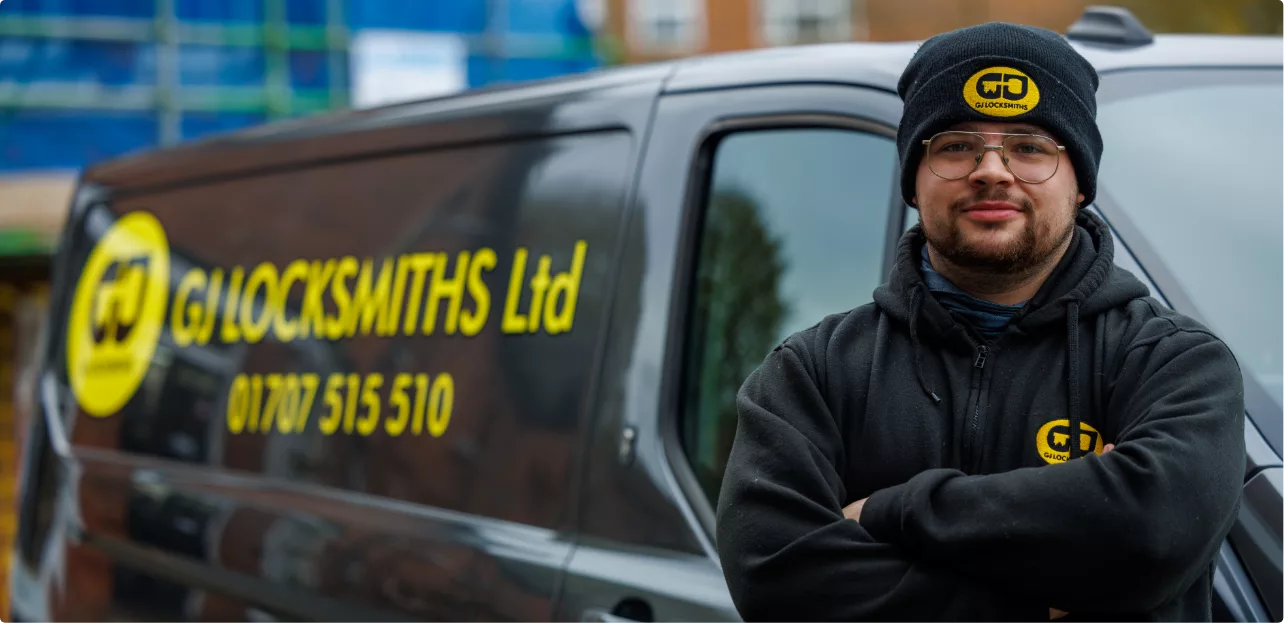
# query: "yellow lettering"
{"type": "Point", "coordinates": [334, 325]}
{"type": "Point", "coordinates": [399, 399]}
{"type": "Point", "coordinates": [264, 276]}
{"type": "Point", "coordinates": [237, 404]}
{"type": "Point", "coordinates": [256, 401]}
{"type": "Point", "coordinates": [186, 332]}
{"type": "Point", "coordinates": [440, 404]}
{"type": "Point", "coordinates": [442, 288]}
{"type": "Point", "coordinates": [350, 407]}
{"type": "Point", "coordinates": [421, 397]}
{"type": "Point", "coordinates": [514, 322]}
{"type": "Point", "coordinates": [284, 328]}
{"type": "Point", "coordinates": [313, 322]}
{"type": "Point", "coordinates": [310, 382]}
{"type": "Point", "coordinates": [419, 265]}
{"type": "Point", "coordinates": [229, 333]}
{"type": "Point", "coordinates": [370, 302]}
{"type": "Point", "coordinates": [538, 286]}
{"type": "Point", "coordinates": [288, 411]}
{"type": "Point", "coordinates": [329, 423]}
{"type": "Point", "coordinates": [471, 322]}
{"type": "Point", "coordinates": [370, 398]}
{"type": "Point", "coordinates": [211, 306]}
{"type": "Point", "coordinates": [274, 385]}
{"type": "Point", "coordinates": [561, 320]}
{"type": "Point", "coordinates": [388, 329]}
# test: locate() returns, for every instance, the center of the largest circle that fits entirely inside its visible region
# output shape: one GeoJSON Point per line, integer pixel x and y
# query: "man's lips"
{"type": "Point", "coordinates": [992, 211]}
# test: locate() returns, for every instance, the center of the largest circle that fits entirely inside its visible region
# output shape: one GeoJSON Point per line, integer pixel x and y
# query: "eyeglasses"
{"type": "Point", "coordinates": [1033, 159]}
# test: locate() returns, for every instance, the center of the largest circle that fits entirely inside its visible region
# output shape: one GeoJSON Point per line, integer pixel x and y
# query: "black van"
{"type": "Point", "coordinates": [474, 358]}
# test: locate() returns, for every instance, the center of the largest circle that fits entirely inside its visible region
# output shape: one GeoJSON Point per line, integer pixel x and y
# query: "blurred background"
{"type": "Point", "coordinates": [86, 80]}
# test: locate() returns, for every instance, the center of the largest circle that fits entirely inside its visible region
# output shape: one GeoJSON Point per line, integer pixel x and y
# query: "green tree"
{"type": "Point", "coordinates": [738, 314]}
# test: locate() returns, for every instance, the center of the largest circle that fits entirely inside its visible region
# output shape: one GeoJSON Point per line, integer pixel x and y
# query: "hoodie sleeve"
{"type": "Point", "coordinates": [788, 553]}
{"type": "Point", "coordinates": [1126, 531]}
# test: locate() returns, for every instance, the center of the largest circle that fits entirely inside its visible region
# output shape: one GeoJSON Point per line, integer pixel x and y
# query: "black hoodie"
{"type": "Point", "coordinates": [974, 511]}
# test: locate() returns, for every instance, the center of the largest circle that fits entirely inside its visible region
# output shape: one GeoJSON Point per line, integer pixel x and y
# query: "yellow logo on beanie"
{"type": "Point", "coordinates": [1001, 92]}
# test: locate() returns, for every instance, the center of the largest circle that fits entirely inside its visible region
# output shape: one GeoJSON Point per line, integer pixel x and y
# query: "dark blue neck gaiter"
{"type": "Point", "coordinates": [987, 318]}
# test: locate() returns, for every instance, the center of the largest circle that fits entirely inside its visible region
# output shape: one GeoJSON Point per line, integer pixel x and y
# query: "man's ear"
{"type": "Point", "coordinates": [1080, 202]}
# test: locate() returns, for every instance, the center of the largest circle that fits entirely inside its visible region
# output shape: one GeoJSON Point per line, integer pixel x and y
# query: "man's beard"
{"type": "Point", "coordinates": [1033, 245]}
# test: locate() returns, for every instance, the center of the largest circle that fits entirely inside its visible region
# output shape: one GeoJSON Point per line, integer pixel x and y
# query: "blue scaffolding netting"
{"type": "Point", "coordinates": [85, 80]}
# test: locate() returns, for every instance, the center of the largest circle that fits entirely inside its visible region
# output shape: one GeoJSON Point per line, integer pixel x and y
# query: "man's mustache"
{"type": "Point", "coordinates": [992, 195]}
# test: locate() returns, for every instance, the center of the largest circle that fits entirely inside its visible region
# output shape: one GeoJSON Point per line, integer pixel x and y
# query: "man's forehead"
{"type": "Point", "coordinates": [1001, 127]}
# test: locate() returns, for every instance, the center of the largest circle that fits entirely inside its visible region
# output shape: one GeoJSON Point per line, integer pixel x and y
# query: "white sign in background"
{"type": "Point", "coordinates": [592, 13]}
{"type": "Point", "coordinates": [391, 66]}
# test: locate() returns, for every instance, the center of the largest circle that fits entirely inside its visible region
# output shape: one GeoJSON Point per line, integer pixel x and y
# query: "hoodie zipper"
{"type": "Point", "coordinates": [974, 427]}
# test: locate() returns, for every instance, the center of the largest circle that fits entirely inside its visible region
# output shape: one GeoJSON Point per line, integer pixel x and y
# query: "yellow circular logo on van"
{"type": "Point", "coordinates": [117, 313]}
{"type": "Point", "coordinates": [1001, 92]}
{"type": "Point", "coordinates": [1053, 441]}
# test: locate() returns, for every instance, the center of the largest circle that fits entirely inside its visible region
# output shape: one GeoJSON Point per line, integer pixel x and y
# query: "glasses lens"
{"type": "Point", "coordinates": [1032, 158]}
{"type": "Point", "coordinates": [953, 155]}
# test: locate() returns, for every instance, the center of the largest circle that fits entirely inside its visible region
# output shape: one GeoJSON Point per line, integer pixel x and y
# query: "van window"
{"type": "Point", "coordinates": [794, 230]}
{"type": "Point", "coordinates": [418, 327]}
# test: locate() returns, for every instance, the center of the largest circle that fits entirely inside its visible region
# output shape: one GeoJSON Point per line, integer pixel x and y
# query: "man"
{"type": "Point", "coordinates": [941, 453]}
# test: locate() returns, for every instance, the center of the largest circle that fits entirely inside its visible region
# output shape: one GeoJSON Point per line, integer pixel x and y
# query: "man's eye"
{"type": "Point", "coordinates": [956, 147]}
{"type": "Point", "coordinates": [1030, 148]}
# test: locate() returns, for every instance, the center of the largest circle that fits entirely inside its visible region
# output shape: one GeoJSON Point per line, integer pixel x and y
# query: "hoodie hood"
{"type": "Point", "coordinates": [1084, 283]}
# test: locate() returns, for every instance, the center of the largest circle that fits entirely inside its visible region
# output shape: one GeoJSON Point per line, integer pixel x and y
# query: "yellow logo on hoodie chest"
{"type": "Point", "coordinates": [1053, 440]}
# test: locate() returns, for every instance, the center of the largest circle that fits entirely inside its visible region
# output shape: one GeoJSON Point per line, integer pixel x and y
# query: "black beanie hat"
{"type": "Point", "coordinates": [1052, 87]}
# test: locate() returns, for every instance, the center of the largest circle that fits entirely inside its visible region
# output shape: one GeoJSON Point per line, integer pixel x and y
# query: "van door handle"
{"type": "Point", "coordinates": [597, 615]}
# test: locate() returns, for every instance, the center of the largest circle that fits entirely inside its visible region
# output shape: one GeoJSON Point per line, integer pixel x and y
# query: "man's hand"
{"type": "Point", "coordinates": [853, 510]}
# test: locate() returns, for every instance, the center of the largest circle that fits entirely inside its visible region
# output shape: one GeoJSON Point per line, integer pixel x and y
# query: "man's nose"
{"type": "Point", "coordinates": [991, 171]}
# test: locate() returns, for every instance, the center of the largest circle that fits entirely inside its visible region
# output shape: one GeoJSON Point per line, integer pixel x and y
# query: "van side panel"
{"type": "Point", "coordinates": [351, 391]}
